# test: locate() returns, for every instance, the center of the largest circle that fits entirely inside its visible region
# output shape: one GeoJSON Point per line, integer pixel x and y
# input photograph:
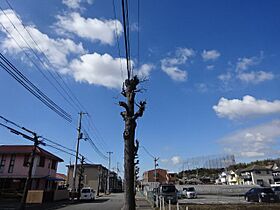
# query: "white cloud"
{"type": "Point", "coordinates": [90, 28]}
{"type": "Point", "coordinates": [255, 77]}
{"type": "Point", "coordinates": [225, 77]}
{"type": "Point", "coordinates": [244, 63]}
{"type": "Point", "coordinates": [56, 50]}
{"type": "Point", "coordinates": [103, 70]}
{"type": "Point", "coordinates": [254, 142]}
{"type": "Point", "coordinates": [173, 161]}
{"type": "Point", "coordinates": [210, 55]}
{"type": "Point", "coordinates": [210, 67]}
{"type": "Point", "coordinates": [175, 73]}
{"type": "Point", "coordinates": [247, 107]}
{"type": "Point", "coordinates": [170, 64]}
{"type": "Point", "coordinates": [145, 70]}
{"type": "Point", "coordinates": [93, 68]}
{"type": "Point", "coordinates": [201, 87]}
{"type": "Point", "coordinates": [75, 4]}
{"type": "Point", "coordinates": [176, 160]}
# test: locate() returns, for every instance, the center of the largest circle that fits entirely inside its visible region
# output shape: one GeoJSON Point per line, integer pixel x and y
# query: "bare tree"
{"type": "Point", "coordinates": [129, 116]}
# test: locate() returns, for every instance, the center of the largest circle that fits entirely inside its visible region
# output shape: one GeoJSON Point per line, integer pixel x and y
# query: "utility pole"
{"type": "Point", "coordinates": [156, 164]}
{"type": "Point", "coordinates": [108, 177]}
{"type": "Point", "coordinates": [80, 136]}
{"type": "Point", "coordinates": [81, 174]}
{"type": "Point", "coordinates": [37, 142]}
{"type": "Point", "coordinates": [29, 176]}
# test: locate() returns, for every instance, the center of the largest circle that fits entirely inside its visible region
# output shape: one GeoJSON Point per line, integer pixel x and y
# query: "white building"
{"type": "Point", "coordinates": [257, 175]}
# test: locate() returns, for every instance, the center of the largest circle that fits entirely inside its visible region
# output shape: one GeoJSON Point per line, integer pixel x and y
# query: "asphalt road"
{"type": "Point", "coordinates": [111, 202]}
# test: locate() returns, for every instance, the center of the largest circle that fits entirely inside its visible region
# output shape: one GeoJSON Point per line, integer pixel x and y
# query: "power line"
{"type": "Point", "coordinates": [55, 146]}
{"type": "Point", "coordinates": [97, 132]}
{"type": "Point", "coordinates": [127, 51]}
{"type": "Point", "coordinates": [53, 142]}
{"type": "Point", "coordinates": [34, 90]}
{"type": "Point", "coordinates": [148, 152]}
{"type": "Point", "coordinates": [138, 33]}
{"type": "Point", "coordinates": [40, 60]}
{"type": "Point", "coordinates": [95, 148]}
{"type": "Point", "coordinates": [117, 37]}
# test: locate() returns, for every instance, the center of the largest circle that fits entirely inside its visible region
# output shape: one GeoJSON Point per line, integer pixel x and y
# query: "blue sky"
{"type": "Point", "coordinates": [213, 69]}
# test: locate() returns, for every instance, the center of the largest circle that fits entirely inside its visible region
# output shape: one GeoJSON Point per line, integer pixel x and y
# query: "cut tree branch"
{"type": "Point", "coordinates": [141, 110]}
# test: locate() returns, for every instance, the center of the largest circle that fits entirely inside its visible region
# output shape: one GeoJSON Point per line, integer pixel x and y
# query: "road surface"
{"type": "Point", "coordinates": [110, 202]}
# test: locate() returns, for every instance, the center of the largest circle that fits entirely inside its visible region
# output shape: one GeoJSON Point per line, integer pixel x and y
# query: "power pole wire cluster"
{"type": "Point", "coordinates": [59, 84]}
{"type": "Point", "coordinates": [36, 142]}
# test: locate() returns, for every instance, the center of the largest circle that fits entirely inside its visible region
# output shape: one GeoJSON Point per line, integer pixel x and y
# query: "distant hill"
{"type": "Point", "coordinates": [213, 173]}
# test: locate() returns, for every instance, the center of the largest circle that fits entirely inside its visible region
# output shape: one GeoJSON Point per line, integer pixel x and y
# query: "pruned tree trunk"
{"type": "Point", "coordinates": [129, 91]}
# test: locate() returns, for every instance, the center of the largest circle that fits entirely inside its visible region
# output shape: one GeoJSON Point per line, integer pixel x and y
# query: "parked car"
{"type": "Point", "coordinates": [179, 194]}
{"type": "Point", "coordinates": [276, 190]}
{"type": "Point", "coordinates": [260, 195]}
{"type": "Point", "coordinates": [189, 192]}
{"type": "Point", "coordinates": [166, 191]}
{"type": "Point", "coordinates": [87, 193]}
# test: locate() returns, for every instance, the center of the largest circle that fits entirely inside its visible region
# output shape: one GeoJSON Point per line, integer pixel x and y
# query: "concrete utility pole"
{"type": "Point", "coordinates": [108, 177]}
{"type": "Point", "coordinates": [156, 165]}
{"type": "Point", "coordinates": [80, 136]}
{"type": "Point", "coordinates": [28, 181]}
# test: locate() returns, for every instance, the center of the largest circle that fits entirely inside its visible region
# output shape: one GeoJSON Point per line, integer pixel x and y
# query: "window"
{"type": "Point", "coordinates": [12, 163]}
{"type": "Point", "coordinates": [2, 163]}
{"type": "Point", "coordinates": [26, 160]}
{"type": "Point", "coordinates": [42, 161]}
{"type": "Point", "coordinates": [53, 164]}
{"type": "Point", "coordinates": [258, 172]}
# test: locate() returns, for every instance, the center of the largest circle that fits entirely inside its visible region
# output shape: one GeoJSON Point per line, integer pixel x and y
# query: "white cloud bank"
{"type": "Point", "coordinates": [254, 142]}
{"type": "Point", "coordinates": [255, 77]}
{"type": "Point", "coordinates": [56, 50]}
{"type": "Point", "coordinates": [170, 64]}
{"type": "Point", "coordinates": [75, 4]}
{"type": "Point", "coordinates": [243, 74]}
{"type": "Point", "coordinates": [210, 55]}
{"type": "Point", "coordinates": [247, 107]}
{"type": "Point", "coordinates": [103, 70]}
{"type": "Point", "coordinates": [90, 28]}
{"type": "Point", "coordinates": [173, 161]}
{"type": "Point", "coordinates": [94, 68]}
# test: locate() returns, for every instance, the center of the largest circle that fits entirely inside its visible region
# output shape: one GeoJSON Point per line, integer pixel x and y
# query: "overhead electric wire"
{"type": "Point", "coordinates": [128, 37]}
{"type": "Point", "coordinates": [125, 40]}
{"type": "Point", "coordinates": [117, 38]}
{"type": "Point", "coordinates": [96, 131]}
{"type": "Point", "coordinates": [38, 68]}
{"type": "Point", "coordinates": [95, 148]}
{"type": "Point", "coordinates": [40, 60]}
{"type": "Point", "coordinates": [75, 104]}
{"type": "Point", "coordinates": [61, 150]}
{"type": "Point", "coordinates": [57, 147]}
{"type": "Point", "coordinates": [33, 89]}
{"type": "Point", "coordinates": [138, 34]}
{"type": "Point", "coordinates": [148, 152]}
{"type": "Point", "coordinates": [53, 142]}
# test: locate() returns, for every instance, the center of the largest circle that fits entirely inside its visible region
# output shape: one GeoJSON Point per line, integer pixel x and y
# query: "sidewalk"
{"type": "Point", "coordinates": [142, 203]}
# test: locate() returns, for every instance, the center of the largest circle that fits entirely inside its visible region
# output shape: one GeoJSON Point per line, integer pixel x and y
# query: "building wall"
{"type": "Point", "coordinates": [161, 175]}
{"type": "Point", "coordinates": [265, 176]}
{"type": "Point", "coordinates": [21, 171]}
{"type": "Point", "coordinates": [18, 171]}
{"type": "Point", "coordinates": [94, 176]}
